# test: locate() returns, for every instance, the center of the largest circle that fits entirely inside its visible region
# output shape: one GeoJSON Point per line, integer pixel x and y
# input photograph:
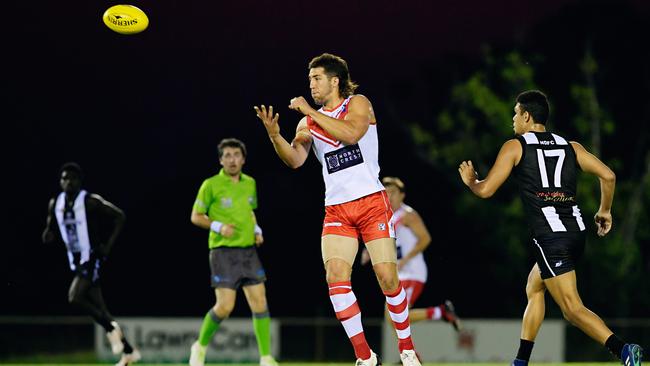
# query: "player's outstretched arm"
{"type": "Point", "coordinates": [48, 234]}
{"type": "Point", "coordinates": [591, 164]}
{"type": "Point", "coordinates": [294, 154]}
{"type": "Point", "coordinates": [359, 116]}
{"type": "Point", "coordinates": [508, 157]}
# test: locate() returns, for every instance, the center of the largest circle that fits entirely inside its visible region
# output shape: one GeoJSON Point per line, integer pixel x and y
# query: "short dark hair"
{"type": "Point", "coordinates": [536, 103]}
{"type": "Point", "coordinates": [73, 167]}
{"type": "Point", "coordinates": [231, 142]}
{"type": "Point", "coordinates": [335, 66]}
{"type": "Point", "coordinates": [395, 182]}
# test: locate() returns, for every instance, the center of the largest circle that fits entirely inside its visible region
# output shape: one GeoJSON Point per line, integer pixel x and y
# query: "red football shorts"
{"type": "Point", "coordinates": [367, 218]}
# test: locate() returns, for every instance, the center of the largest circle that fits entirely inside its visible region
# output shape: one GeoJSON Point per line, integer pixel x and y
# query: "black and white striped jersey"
{"type": "Point", "coordinates": [547, 182]}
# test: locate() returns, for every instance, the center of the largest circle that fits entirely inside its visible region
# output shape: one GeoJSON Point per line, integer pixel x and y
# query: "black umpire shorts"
{"type": "Point", "coordinates": [235, 267]}
{"type": "Point", "coordinates": [88, 270]}
{"type": "Point", "coordinates": [557, 254]}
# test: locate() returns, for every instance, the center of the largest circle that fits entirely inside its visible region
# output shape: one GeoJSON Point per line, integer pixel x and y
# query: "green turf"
{"type": "Point", "coordinates": [320, 364]}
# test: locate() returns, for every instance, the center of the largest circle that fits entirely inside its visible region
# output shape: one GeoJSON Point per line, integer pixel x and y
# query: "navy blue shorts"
{"type": "Point", "coordinates": [235, 267]}
{"type": "Point", "coordinates": [557, 254]}
{"type": "Point", "coordinates": [89, 269]}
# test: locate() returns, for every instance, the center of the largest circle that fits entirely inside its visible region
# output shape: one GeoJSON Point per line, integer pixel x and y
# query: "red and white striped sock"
{"type": "Point", "coordinates": [348, 312]}
{"type": "Point", "coordinates": [435, 312]}
{"type": "Point", "coordinates": [398, 310]}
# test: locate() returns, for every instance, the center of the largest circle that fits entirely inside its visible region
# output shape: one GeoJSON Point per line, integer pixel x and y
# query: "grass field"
{"type": "Point", "coordinates": [321, 364]}
{"type": "Point", "coordinates": [82, 359]}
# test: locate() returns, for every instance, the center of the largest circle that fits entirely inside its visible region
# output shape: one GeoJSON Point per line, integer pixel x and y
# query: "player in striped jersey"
{"type": "Point", "coordinates": [77, 218]}
{"type": "Point", "coordinates": [546, 165]}
{"type": "Point", "coordinates": [343, 136]}
{"type": "Point", "coordinates": [412, 239]}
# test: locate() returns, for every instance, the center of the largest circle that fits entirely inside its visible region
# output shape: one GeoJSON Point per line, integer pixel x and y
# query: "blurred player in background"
{"type": "Point", "coordinates": [224, 205]}
{"type": "Point", "coordinates": [88, 225]}
{"type": "Point", "coordinates": [546, 166]}
{"type": "Point", "coordinates": [412, 238]}
{"type": "Point", "coordinates": [343, 135]}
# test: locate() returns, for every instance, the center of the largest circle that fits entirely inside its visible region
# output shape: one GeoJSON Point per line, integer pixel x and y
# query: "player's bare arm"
{"type": "Point", "coordinates": [360, 115]}
{"type": "Point", "coordinates": [507, 159]}
{"type": "Point", "coordinates": [203, 221]}
{"type": "Point", "coordinates": [48, 234]}
{"type": "Point", "coordinates": [589, 163]}
{"type": "Point", "coordinates": [108, 209]}
{"type": "Point", "coordinates": [259, 238]}
{"type": "Point", "coordinates": [292, 154]}
{"type": "Point", "coordinates": [413, 221]}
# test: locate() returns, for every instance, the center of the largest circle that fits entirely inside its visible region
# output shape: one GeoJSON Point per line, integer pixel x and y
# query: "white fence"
{"type": "Point", "coordinates": [169, 339]}
{"type": "Point", "coordinates": [304, 339]}
{"type": "Point", "coordinates": [481, 340]}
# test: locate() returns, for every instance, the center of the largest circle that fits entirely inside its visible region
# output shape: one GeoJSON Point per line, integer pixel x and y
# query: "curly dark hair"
{"type": "Point", "coordinates": [335, 66]}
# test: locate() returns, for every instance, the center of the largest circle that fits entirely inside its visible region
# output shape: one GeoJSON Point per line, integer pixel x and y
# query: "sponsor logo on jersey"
{"type": "Point", "coordinates": [343, 158]}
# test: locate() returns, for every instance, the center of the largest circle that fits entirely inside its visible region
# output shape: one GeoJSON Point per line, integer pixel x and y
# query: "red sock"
{"type": "Point", "coordinates": [348, 312]}
{"type": "Point", "coordinates": [397, 305]}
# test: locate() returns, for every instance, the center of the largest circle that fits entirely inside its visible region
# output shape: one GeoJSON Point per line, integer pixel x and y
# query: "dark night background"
{"type": "Point", "coordinates": [143, 114]}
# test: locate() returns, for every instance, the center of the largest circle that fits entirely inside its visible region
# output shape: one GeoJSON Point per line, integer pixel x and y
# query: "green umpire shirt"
{"type": "Point", "coordinates": [229, 203]}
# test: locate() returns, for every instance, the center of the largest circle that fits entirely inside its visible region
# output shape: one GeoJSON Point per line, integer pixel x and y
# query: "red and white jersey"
{"type": "Point", "coordinates": [349, 171]}
{"type": "Point", "coordinates": [416, 268]}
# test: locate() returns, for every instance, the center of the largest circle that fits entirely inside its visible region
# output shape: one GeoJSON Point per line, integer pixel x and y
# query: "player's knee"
{"type": "Point", "coordinates": [532, 291]}
{"type": "Point", "coordinates": [258, 305]}
{"type": "Point", "coordinates": [571, 316]}
{"type": "Point", "coordinates": [223, 310]}
{"type": "Point", "coordinates": [333, 277]}
{"type": "Point", "coordinates": [387, 281]}
{"type": "Point", "coordinates": [337, 270]}
{"type": "Point", "coordinates": [571, 309]}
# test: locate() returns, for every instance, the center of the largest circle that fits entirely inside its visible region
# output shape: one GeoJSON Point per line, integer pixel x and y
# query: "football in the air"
{"type": "Point", "coordinates": [125, 19]}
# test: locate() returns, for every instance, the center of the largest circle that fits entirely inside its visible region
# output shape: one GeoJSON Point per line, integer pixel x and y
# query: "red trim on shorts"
{"type": "Point", "coordinates": [367, 217]}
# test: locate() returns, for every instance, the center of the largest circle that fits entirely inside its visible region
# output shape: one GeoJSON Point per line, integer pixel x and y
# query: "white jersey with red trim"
{"type": "Point", "coordinates": [349, 171]}
{"type": "Point", "coordinates": [416, 268]}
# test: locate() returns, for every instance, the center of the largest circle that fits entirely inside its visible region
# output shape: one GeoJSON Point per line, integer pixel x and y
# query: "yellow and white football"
{"type": "Point", "coordinates": [125, 19]}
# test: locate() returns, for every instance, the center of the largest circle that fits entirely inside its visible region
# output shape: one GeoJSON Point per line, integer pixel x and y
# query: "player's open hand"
{"type": "Point", "coordinates": [603, 222]}
{"type": "Point", "coordinates": [300, 104]}
{"type": "Point", "coordinates": [270, 121]}
{"type": "Point", "coordinates": [467, 172]}
{"type": "Point", "coordinates": [259, 239]}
